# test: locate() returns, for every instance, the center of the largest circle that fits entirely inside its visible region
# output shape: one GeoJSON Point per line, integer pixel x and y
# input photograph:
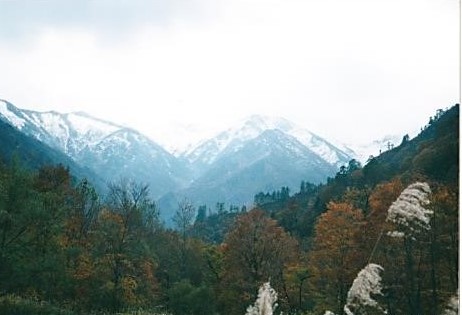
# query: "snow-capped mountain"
{"type": "Point", "coordinates": [270, 160]}
{"type": "Point", "coordinates": [261, 154]}
{"type": "Point", "coordinates": [233, 139]}
{"type": "Point", "coordinates": [111, 150]}
{"type": "Point", "coordinates": [70, 132]}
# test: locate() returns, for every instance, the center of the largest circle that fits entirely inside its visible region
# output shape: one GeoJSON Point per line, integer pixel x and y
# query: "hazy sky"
{"type": "Point", "coordinates": [349, 70]}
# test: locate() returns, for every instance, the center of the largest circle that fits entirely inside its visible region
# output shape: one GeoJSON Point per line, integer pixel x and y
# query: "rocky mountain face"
{"type": "Point", "coordinates": [259, 154]}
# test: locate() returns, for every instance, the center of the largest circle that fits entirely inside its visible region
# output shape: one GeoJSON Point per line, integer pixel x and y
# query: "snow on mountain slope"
{"type": "Point", "coordinates": [231, 140]}
{"type": "Point", "coordinates": [85, 124]}
{"type": "Point", "coordinates": [8, 112]}
{"type": "Point", "coordinates": [70, 133]}
{"type": "Point", "coordinates": [208, 150]}
{"type": "Point", "coordinates": [111, 150]}
{"type": "Point", "coordinates": [74, 131]}
{"type": "Point", "coordinates": [327, 151]}
{"type": "Point", "coordinates": [271, 145]}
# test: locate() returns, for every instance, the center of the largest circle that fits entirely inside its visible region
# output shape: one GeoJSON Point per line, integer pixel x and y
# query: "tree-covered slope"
{"type": "Point", "coordinates": [434, 153]}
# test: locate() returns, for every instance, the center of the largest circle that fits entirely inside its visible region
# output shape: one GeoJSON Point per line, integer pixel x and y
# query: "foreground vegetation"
{"type": "Point", "coordinates": [64, 249]}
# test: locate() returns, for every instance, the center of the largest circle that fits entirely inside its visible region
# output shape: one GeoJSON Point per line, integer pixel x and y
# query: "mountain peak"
{"type": "Point", "coordinates": [264, 122]}
{"type": "Point", "coordinates": [252, 127]}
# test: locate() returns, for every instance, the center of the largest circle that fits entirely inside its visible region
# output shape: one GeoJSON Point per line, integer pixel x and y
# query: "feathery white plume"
{"type": "Point", "coordinates": [396, 234]}
{"type": "Point", "coordinates": [409, 211]}
{"type": "Point", "coordinates": [453, 306]}
{"type": "Point", "coordinates": [266, 301]}
{"type": "Point", "coordinates": [367, 282]}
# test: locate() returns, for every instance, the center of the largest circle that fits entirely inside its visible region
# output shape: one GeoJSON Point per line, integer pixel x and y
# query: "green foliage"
{"type": "Point", "coordinates": [186, 299]}
{"type": "Point", "coordinates": [214, 227]}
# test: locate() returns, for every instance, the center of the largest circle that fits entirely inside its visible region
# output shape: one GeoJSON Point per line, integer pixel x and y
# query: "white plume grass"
{"type": "Point", "coordinates": [265, 303]}
{"type": "Point", "coordinates": [409, 212]}
{"type": "Point", "coordinates": [367, 283]}
{"type": "Point", "coordinates": [410, 215]}
{"type": "Point", "coordinates": [452, 307]}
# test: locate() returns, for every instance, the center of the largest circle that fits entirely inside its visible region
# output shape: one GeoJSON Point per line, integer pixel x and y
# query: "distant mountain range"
{"type": "Point", "coordinates": [260, 153]}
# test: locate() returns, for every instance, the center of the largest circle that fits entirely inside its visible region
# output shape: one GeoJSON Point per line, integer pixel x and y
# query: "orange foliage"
{"type": "Point", "coordinates": [336, 258]}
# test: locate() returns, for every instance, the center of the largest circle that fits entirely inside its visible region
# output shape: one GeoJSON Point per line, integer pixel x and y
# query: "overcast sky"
{"type": "Point", "coordinates": [349, 70]}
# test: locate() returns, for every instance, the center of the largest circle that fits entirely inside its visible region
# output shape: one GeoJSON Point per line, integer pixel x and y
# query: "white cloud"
{"type": "Point", "coordinates": [351, 70]}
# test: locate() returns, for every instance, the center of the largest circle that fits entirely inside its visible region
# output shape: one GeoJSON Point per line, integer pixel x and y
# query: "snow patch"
{"type": "Point", "coordinates": [16, 121]}
{"type": "Point", "coordinates": [87, 126]}
{"type": "Point", "coordinates": [56, 126]}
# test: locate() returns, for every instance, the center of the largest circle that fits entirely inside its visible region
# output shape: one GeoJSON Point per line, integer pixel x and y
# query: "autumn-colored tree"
{"type": "Point", "coordinates": [382, 249]}
{"type": "Point", "coordinates": [442, 267]}
{"type": "Point", "coordinates": [256, 250]}
{"type": "Point", "coordinates": [378, 202]}
{"type": "Point", "coordinates": [77, 241]}
{"type": "Point", "coordinates": [445, 204]}
{"type": "Point", "coordinates": [416, 240]}
{"type": "Point", "coordinates": [123, 258]}
{"type": "Point", "coordinates": [335, 258]}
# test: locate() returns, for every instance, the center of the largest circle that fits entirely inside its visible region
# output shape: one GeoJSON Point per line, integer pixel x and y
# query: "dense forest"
{"type": "Point", "coordinates": [66, 249]}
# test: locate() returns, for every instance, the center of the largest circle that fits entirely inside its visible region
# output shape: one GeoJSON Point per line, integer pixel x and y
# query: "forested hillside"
{"type": "Point", "coordinates": [64, 249]}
